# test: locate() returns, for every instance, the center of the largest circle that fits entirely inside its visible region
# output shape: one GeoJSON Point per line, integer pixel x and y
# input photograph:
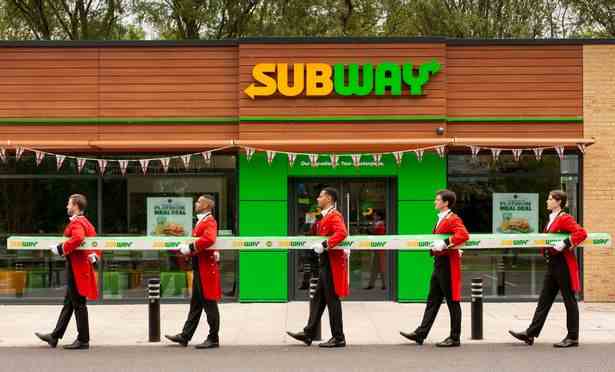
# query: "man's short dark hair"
{"type": "Point", "coordinates": [448, 196]}
{"type": "Point", "coordinates": [560, 196]}
{"type": "Point", "coordinates": [80, 200]}
{"type": "Point", "coordinates": [332, 193]}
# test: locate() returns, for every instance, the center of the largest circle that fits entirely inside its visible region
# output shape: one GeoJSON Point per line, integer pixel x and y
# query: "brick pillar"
{"type": "Point", "coordinates": [599, 168]}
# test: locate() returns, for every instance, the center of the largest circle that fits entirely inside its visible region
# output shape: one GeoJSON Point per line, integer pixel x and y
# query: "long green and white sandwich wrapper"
{"type": "Point", "coordinates": [358, 242]}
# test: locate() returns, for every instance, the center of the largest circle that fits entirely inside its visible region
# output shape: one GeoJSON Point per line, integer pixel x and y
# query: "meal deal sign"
{"type": "Point", "coordinates": [169, 216]}
{"type": "Point", "coordinates": [515, 213]}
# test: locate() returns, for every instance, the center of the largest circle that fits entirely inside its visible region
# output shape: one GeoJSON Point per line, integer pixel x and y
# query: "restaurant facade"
{"type": "Point", "coordinates": [264, 124]}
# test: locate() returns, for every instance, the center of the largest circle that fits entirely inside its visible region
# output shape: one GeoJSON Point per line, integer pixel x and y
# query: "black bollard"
{"type": "Point", "coordinates": [501, 269]}
{"type": "Point", "coordinates": [477, 308]}
{"type": "Point", "coordinates": [153, 296]}
{"type": "Point", "coordinates": [313, 285]}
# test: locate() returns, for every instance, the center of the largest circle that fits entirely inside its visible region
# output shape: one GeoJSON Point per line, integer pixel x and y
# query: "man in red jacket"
{"type": "Point", "coordinates": [446, 277]}
{"type": "Point", "coordinates": [562, 274]}
{"type": "Point", "coordinates": [206, 289]}
{"type": "Point", "coordinates": [333, 276]}
{"type": "Point", "coordinates": [81, 280]}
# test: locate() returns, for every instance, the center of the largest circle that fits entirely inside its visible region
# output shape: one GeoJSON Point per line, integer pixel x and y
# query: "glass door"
{"type": "Point", "coordinates": [366, 205]}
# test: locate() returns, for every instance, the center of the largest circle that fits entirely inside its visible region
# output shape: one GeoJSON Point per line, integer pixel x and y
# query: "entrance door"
{"type": "Point", "coordinates": [367, 207]}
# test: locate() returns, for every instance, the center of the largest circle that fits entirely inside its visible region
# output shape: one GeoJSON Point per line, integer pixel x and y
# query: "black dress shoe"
{"type": "Point", "coordinates": [301, 336]}
{"type": "Point", "coordinates": [522, 336]}
{"type": "Point", "coordinates": [48, 338]}
{"type": "Point", "coordinates": [413, 337]}
{"type": "Point", "coordinates": [77, 345]}
{"type": "Point", "coordinates": [333, 342]}
{"type": "Point", "coordinates": [179, 339]}
{"type": "Point", "coordinates": [567, 342]}
{"type": "Point", "coordinates": [449, 342]}
{"type": "Point", "coordinates": [208, 344]}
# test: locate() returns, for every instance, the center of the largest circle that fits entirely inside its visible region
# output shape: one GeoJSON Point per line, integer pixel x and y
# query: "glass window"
{"type": "Point", "coordinates": [510, 273]}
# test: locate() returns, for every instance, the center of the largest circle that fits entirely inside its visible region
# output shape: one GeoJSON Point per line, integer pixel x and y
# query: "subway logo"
{"type": "Point", "coordinates": [246, 244]}
{"type": "Point", "coordinates": [22, 244]}
{"type": "Point", "coordinates": [514, 243]}
{"type": "Point", "coordinates": [112, 244]}
{"type": "Point", "coordinates": [169, 245]}
{"type": "Point", "coordinates": [418, 244]}
{"type": "Point", "coordinates": [322, 79]}
{"type": "Point", "coordinates": [372, 244]}
{"type": "Point", "coordinates": [472, 243]}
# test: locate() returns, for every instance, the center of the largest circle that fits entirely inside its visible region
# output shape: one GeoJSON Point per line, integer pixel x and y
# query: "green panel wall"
{"type": "Point", "coordinates": [263, 210]}
{"type": "Point", "coordinates": [420, 180]}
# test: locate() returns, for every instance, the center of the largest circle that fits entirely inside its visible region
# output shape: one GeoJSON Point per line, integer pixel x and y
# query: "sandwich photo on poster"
{"type": "Point", "coordinates": [515, 213]}
{"type": "Point", "coordinates": [169, 216]}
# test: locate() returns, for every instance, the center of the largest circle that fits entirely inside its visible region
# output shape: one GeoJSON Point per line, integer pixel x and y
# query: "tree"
{"type": "Point", "coordinates": [596, 18]}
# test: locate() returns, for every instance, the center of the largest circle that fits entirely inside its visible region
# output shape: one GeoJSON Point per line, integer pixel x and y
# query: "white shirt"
{"type": "Point", "coordinates": [326, 211]}
{"type": "Point", "coordinates": [552, 218]}
{"type": "Point", "coordinates": [442, 215]}
{"type": "Point", "coordinates": [202, 216]}
{"type": "Point", "coordinates": [74, 217]}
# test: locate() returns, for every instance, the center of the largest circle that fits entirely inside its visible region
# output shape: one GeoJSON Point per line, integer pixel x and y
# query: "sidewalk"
{"type": "Point", "coordinates": [366, 323]}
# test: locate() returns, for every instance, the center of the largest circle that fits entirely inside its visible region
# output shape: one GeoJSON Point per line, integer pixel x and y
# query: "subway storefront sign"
{"type": "Point", "coordinates": [322, 79]}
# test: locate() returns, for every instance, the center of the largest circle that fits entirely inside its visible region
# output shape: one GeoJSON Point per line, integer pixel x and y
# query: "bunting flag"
{"type": "Point", "coordinates": [123, 166]}
{"type": "Point", "coordinates": [441, 150]}
{"type": "Point", "coordinates": [582, 147]}
{"type": "Point", "coordinates": [165, 164]}
{"type": "Point", "coordinates": [102, 165]}
{"type": "Point", "coordinates": [270, 156]}
{"type": "Point", "coordinates": [206, 156]}
{"type": "Point", "coordinates": [291, 159]}
{"type": "Point", "coordinates": [144, 163]}
{"type": "Point", "coordinates": [475, 150]}
{"type": "Point", "coordinates": [517, 154]}
{"type": "Point", "coordinates": [59, 161]}
{"type": "Point", "coordinates": [560, 152]}
{"type": "Point", "coordinates": [80, 164]}
{"type": "Point", "coordinates": [2, 154]}
{"type": "Point", "coordinates": [495, 154]}
{"type": "Point", "coordinates": [419, 154]}
{"type": "Point", "coordinates": [249, 153]}
{"type": "Point", "coordinates": [18, 153]}
{"type": "Point", "coordinates": [39, 157]}
{"type": "Point", "coordinates": [333, 158]}
{"type": "Point", "coordinates": [398, 155]}
{"type": "Point", "coordinates": [356, 160]}
{"type": "Point", "coordinates": [538, 153]}
{"type": "Point", "coordinates": [313, 159]}
{"type": "Point", "coordinates": [377, 159]}
{"type": "Point", "coordinates": [186, 160]}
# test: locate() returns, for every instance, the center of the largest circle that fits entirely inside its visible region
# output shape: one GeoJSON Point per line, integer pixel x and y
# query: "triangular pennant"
{"type": "Point", "coordinates": [206, 156]}
{"type": "Point", "coordinates": [59, 161]}
{"type": "Point", "coordinates": [313, 159]}
{"type": "Point", "coordinates": [356, 160]}
{"type": "Point", "coordinates": [186, 160]}
{"type": "Point", "coordinates": [19, 152]}
{"type": "Point", "coordinates": [80, 164]}
{"type": "Point", "coordinates": [582, 147]}
{"type": "Point", "coordinates": [165, 164]}
{"type": "Point", "coordinates": [419, 154]}
{"type": "Point", "coordinates": [441, 150]}
{"type": "Point", "coordinates": [39, 157]}
{"type": "Point", "coordinates": [123, 166]}
{"type": "Point", "coordinates": [538, 153]}
{"type": "Point", "coordinates": [475, 150]}
{"type": "Point", "coordinates": [377, 159]}
{"type": "Point", "coordinates": [102, 165]}
{"type": "Point", "coordinates": [398, 155]}
{"type": "Point", "coordinates": [333, 158]}
{"type": "Point", "coordinates": [144, 163]}
{"type": "Point", "coordinates": [517, 154]}
{"type": "Point", "coordinates": [270, 156]}
{"type": "Point", "coordinates": [2, 154]}
{"type": "Point", "coordinates": [560, 152]}
{"type": "Point", "coordinates": [291, 158]}
{"type": "Point", "coordinates": [495, 154]}
{"type": "Point", "coordinates": [249, 152]}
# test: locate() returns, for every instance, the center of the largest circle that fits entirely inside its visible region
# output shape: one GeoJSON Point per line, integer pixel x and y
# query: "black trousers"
{"type": "Point", "coordinates": [198, 304]}
{"type": "Point", "coordinates": [325, 296]}
{"type": "Point", "coordinates": [557, 279]}
{"type": "Point", "coordinates": [73, 302]}
{"type": "Point", "coordinates": [440, 289]}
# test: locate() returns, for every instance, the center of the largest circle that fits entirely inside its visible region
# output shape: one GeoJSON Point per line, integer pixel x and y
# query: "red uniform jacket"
{"type": "Point", "coordinates": [452, 224]}
{"type": "Point", "coordinates": [332, 225]}
{"type": "Point", "coordinates": [83, 271]}
{"type": "Point", "coordinates": [206, 231]}
{"type": "Point", "coordinates": [565, 223]}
